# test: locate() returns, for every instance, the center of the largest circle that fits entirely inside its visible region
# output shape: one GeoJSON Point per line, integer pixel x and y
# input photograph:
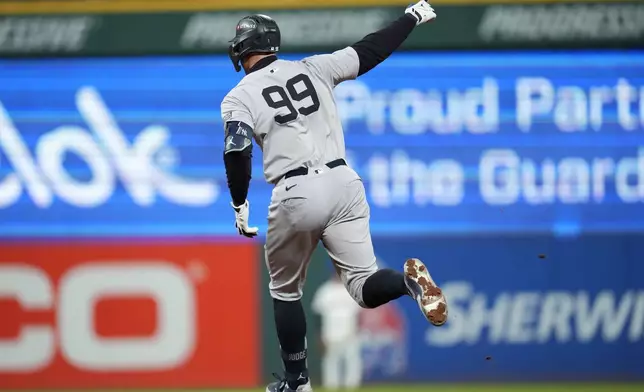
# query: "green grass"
{"type": "Point", "coordinates": [537, 387]}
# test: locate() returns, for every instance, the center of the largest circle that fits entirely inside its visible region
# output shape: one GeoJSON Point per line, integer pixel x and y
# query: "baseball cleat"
{"type": "Point", "coordinates": [424, 290]}
{"type": "Point", "coordinates": [281, 385]}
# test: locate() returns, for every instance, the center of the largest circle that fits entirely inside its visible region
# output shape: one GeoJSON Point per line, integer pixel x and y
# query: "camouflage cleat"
{"type": "Point", "coordinates": [423, 289]}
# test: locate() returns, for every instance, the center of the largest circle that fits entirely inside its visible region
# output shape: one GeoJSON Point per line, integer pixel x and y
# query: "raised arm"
{"type": "Point", "coordinates": [376, 47]}
{"type": "Point", "coordinates": [373, 49]}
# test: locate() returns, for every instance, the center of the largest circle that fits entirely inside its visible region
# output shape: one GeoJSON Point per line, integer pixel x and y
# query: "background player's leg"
{"type": "Point", "coordinates": [348, 241]}
{"type": "Point", "coordinates": [353, 364]}
{"type": "Point", "coordinates": [331, 367]}
{"type": "Point", "coordinates": [288, 252]}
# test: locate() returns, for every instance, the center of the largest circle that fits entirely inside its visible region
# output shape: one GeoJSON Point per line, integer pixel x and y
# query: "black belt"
{"type": "Point", "coordinates": [302, 171]}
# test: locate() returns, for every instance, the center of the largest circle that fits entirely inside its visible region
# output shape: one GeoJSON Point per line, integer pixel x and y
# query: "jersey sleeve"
{"type": "Point", "coordinates": [238, 124]}
{"type": "Point", "coordinates": [233, 109]}
{"type": "Point", "coordinates": [335, 67]}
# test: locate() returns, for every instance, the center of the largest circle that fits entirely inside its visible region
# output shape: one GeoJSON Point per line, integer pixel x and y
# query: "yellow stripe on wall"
{"type": "Point", "coordinates": [124, 6]}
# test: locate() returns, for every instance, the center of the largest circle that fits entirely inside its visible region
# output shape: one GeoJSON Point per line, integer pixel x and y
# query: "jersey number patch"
{"type": "Point", "coordinates": [285, 102]}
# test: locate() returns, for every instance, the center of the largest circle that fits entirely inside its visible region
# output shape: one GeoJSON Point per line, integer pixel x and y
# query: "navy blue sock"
{"type": "Point", "coordinates": [290, 323]}
{"type": "Point", "coordinates": [383, 286]}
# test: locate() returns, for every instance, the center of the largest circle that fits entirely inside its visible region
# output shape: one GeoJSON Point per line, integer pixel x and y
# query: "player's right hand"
{"type": "Point", "coordinates": [241, 220]}
{"type": "Point", "coordinates": [422, 12]}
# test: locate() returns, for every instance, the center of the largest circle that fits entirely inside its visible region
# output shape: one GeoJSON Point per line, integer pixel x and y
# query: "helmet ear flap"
{"type": "Point", "coordinates": [234, 57]}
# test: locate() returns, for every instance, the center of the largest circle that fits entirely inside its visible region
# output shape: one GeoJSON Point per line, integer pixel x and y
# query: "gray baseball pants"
{"type": "Point", "coordinates": [328, 205]}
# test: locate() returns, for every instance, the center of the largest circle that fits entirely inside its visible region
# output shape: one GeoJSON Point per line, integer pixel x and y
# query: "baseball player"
{"type": "Point", "coordinates": [339, 335]}
{"type": "Point", "coordinates": [288, 107]}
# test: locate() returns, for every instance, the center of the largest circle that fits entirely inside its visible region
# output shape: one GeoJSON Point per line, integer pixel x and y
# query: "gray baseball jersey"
{"type": "Point", "coordinates": [291, 109]}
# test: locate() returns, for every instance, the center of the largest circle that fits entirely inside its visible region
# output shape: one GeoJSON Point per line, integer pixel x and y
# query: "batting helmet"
{"type": "Point", "coordinates": [254, 34]}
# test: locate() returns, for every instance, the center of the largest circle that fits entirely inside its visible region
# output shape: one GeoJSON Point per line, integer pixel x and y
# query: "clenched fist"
{"type": "Point", "coordinates": [422, 12]}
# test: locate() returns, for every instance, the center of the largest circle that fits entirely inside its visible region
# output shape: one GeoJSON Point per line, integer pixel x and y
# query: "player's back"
{"type": "Point", "coordinates": [292, 111]}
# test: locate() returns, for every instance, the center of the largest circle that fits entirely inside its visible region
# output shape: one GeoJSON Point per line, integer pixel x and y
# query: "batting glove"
{"type": "Point", "coordinates": [241, 220]}
{"type": "Point", "coordinates": [422, 12]}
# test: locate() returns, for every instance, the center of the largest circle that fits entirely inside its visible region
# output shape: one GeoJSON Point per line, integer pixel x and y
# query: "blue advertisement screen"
{"type": "Point", "coordinates": [447, 143]}
{"type": "Point", "coordinates": [521, 307]}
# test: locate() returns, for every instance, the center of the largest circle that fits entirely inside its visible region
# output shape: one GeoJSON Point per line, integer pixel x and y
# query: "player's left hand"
{"type": "Point", "coordinates": [241, 220]}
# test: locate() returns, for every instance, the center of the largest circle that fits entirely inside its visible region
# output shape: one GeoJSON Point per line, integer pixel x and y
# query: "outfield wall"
{"type": "Point", "coordinates": [37, 29]}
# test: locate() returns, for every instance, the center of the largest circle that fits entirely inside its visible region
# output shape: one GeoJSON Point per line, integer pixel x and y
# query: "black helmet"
{"type": "Point", "coordinates": [254, 34]}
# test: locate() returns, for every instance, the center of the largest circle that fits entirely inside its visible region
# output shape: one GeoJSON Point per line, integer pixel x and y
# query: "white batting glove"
{"type": "Point", "coordinates": [422, 12]}
{"type": "Point", "coordinates": [241, 220]}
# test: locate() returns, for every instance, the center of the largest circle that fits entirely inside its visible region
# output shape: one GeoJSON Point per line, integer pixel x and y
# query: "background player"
{"type": "Point", "coordinates": [289, 109]}
{"type": "Point", "coordinates": [339, 335]}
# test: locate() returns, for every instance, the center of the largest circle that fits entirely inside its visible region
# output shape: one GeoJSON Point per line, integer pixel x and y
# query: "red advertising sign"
{"type": "Point", "coordinates": [129, 315]}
